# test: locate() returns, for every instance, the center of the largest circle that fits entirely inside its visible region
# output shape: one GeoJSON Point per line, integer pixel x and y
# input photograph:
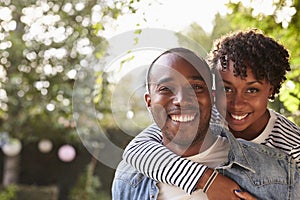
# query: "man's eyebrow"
{"type": "Point", "coordinates": [164, 80]}
{"type": "Point", "coordinates": [168, 79]}
{"type": "Point", "coordinates": [198, 77]}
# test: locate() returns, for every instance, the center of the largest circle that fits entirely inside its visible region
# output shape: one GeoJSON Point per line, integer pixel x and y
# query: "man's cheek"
{"type": "Point", "coordinates": [159, 114]}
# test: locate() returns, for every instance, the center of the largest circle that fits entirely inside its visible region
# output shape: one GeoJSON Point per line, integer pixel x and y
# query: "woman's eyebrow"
{"type": "Point", "coordinates": [248, 83]}
{"type": "Point", "coordinates": [225, 81]}
{"type": "Point", "coordinates": [253, 82]}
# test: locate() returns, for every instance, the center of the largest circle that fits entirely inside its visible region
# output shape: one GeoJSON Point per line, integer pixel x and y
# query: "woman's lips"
{"type": "Point", "coordinates": [239, 116]}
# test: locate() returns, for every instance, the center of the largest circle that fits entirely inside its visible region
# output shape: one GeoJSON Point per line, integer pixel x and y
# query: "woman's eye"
{"type": "Point", "coordinates": [227, 89]}
{"type": "Point", "coordinates": [252, 90]}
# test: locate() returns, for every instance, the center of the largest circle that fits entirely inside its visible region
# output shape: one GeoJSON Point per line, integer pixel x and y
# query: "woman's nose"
{"type": "Point", "coordinates": [237, 100]}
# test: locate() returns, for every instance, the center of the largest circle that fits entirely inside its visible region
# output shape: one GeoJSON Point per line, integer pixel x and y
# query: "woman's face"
{"type": "Point", "coordinates": [246, 101]}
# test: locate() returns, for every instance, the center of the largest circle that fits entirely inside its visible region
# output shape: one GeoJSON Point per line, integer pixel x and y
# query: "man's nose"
{"type": "Point", "coordinates": [183, 97]}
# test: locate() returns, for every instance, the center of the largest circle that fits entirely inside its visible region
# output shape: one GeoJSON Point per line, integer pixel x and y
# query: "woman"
{"type": "Point", "coordinates": [250, 68]}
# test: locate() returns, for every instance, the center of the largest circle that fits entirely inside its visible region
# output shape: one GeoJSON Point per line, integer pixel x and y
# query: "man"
{"type": "Point", "coordinates": [179, 99]}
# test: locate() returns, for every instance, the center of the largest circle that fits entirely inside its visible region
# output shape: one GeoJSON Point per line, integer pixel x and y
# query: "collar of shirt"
{"type": "Point", "coordinates": [237, 153]}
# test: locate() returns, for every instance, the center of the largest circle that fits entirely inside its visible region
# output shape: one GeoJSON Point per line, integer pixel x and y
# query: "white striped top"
{"type": "Point", "coordinates": [285, 135]}
{"type": "Point", "coordinates": [147, 154]}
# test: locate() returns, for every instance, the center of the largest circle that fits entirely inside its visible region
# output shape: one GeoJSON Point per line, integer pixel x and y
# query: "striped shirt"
{"type": "Point", "coordinates": [148, 155]}
{"type": "Point", "coordinates": [285, 135]}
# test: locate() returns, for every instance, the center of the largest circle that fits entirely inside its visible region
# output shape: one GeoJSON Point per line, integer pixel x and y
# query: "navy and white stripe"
{"type": "Point", "coordinates": [159, 163]}
{"type": "Point", "coordinates": [146, 153]}
{"type": "Point", "coordinates": [285, 136]}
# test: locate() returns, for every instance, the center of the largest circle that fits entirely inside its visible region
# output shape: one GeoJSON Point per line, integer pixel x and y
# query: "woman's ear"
{"type": "Point", "coordinates": [271, 91]}
{"type": "Point", "coordinates": [147, 100]}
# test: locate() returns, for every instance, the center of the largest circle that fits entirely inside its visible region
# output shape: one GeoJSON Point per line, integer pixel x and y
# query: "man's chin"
{"type": "Point", "coordinates": [180, 136]}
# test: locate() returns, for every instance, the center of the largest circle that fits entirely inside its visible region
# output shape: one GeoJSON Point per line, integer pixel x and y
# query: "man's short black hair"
{"type": "Point", "coordinates": [197, 61]}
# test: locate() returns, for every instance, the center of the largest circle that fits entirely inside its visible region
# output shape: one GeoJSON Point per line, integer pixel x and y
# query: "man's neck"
{"type": "Point", "coordinates": [194, 148]}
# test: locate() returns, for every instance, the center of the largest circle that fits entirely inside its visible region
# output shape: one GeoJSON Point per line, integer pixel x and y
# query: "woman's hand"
{"type": "Point", "coordinates": [223, 188]}
{"type": "Point", "coordinates": [244, 195]}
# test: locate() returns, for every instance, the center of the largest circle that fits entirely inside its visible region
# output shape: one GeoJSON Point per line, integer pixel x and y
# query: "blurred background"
{"type": "Point", "coordinates": [44, 45]}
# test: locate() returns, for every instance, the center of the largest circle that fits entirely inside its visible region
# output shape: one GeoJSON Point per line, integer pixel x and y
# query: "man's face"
{"type": "Point", "coordinates": [179, 101]}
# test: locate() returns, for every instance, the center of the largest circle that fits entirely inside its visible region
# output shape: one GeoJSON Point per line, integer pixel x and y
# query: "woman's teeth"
{"type": "Point", "coordinates": [239, 117]}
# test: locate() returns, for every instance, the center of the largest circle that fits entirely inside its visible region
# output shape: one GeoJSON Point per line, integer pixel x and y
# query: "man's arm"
{"type": "Point", "coordinates": [146, 153]}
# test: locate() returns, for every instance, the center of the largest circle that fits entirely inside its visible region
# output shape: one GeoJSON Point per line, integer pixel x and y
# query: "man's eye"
{"type": "Point", "coordinates": [164, 89]}
{"type": "Point", "coordinates": [198, 87]}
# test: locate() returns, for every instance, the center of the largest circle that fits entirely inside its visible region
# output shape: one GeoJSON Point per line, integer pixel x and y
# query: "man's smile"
{"type": "Point", "coordinates": [183, 117]}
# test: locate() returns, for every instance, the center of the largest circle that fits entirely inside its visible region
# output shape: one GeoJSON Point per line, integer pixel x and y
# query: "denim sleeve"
{"type": "Point", "coordinates": [295, 182]}
{"type": "Point", "coordinates": [147, 155]}
{"type": "Point", "coordinates": [117, 193]}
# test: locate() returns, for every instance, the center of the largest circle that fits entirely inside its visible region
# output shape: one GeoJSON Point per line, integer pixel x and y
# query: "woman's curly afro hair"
{"type": "Point", "coordinates": [267, 58]}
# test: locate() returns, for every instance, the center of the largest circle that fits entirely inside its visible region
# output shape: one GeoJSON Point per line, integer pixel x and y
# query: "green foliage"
{"type": "Point", "coordinates": [8, 193]}
{"type": "Point", "coordinates": [243, 17]}
{"type": "Point", "coordinates": [88, 186]}
{"type": "Point", "coordinates": [196, 33]}
{"type": "Point", "coordinates": [222, 26]}
{"type": "Point", "coordinates": [41, 56]}
{"type": "Point", "coordinates": [250, 16]}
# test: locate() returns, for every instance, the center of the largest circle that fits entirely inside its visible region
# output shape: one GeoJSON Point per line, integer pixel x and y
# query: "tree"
{"type": "Point", "coordinates": [278, 19]}
{"type": "Point", "coordinates": [42, 45]}
{"type": "Point", "coordinates": [281, 21]}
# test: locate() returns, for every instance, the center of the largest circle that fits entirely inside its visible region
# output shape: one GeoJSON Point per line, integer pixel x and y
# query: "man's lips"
{"type": "Point", "coordinates": [183, 117]}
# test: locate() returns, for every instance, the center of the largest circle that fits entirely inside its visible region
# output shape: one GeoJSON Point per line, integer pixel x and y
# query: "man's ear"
{"type": "Point", "coordinates": [147, 99]}
{"type": "Point", "coordinates": [213, 95]}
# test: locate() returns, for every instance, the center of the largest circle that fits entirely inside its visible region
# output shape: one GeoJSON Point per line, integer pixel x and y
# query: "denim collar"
{"type": "Point", "coordinates": [237, 153]}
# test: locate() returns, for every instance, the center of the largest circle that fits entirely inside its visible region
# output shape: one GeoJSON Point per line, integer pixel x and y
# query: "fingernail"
{"type": "Point", "coordinates": [237, 191]}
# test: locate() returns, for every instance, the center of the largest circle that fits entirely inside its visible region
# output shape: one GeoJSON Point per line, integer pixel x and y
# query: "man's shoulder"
{"type": "Point", "coordinates": [128, 174]}
{"type": "Point", "coordinates": [218, 129]}
{"type": "Point", "coordinates": [125, 170]}
{"type": "Point", "coordinates": [247, 150]}
{"type": "Point", "coordinates": [128, 183]}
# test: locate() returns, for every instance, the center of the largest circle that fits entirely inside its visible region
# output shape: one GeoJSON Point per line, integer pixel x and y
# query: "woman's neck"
{"type": "Point", "coordinates": [255, 129]}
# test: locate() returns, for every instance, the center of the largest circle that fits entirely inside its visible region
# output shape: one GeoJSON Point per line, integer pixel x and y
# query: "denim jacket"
{"type": "Point", "coordinates": [265, 172]}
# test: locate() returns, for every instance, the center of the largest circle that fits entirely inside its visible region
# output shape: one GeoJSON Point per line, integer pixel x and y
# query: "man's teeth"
{"type": "Point", "coordinates": [182, 118]}
{"type": "Point", "coordinates": [239, 117]}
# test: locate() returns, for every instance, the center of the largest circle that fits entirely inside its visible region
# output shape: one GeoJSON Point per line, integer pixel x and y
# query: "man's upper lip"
{"type": "Point", "coordinates": [178, 111]}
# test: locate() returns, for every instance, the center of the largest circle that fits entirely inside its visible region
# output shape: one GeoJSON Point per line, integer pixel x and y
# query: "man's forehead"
{"type": "Point", "coordinates": [167, 78]}
{"type": "Point", "coordinates": [173, 62]}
